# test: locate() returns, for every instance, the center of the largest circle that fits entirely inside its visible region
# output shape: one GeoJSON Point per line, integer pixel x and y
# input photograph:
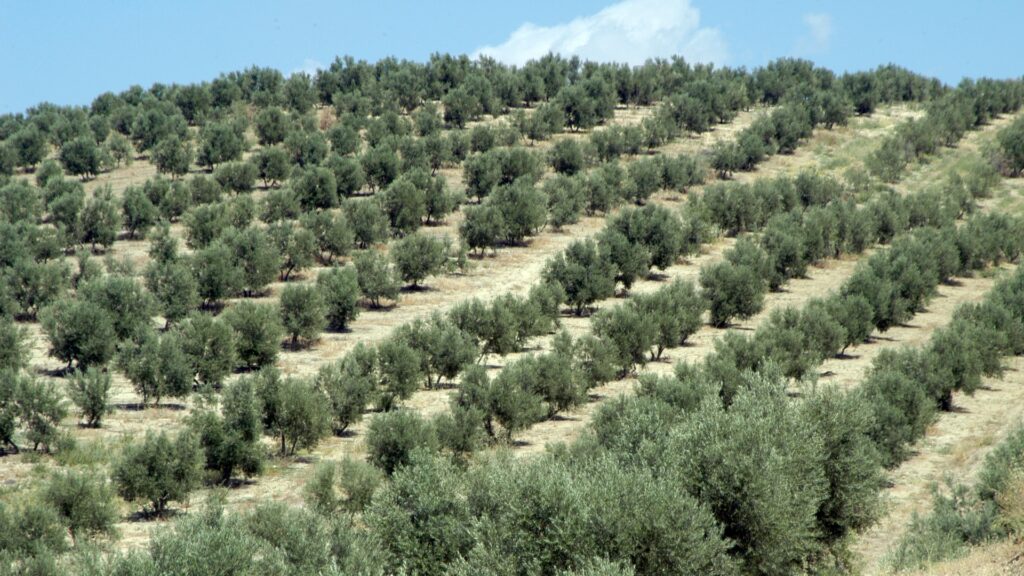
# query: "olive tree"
{"type": "Point", "coordinates": [376, 277]}
{"type": "Point", "coordinates": [174, 288]}
{"type": "Point", "coordinates": [81, 157]}
{"type": "Point", "coordinates": [295, 411]}
{"type": "Point", "coordinates": [732, 291]}
{"type": "Point", "coordinates": [100, 221]}
{"type": "Point", "coordinates": [173, 156]}
{"type": "Point", "coordinates": [232, 441]}
{"type": "Point", "coordinates": [258, 332]}
{"type": "Point", "coordinates": [125, 301]}
{"type": "Point", "coordinates": [417, 256]}
{"type": "Point", "coordinates": [339, 288]}
{"type": "Point", "coordinates": [303, 313]}
{"type": "Point", "coordinates": [584, 273]}
{"type": "Point", "coordinates": [220, 142]}
{"type": "Point", "coordinates": [258, 259]}
{"type": "Point", "coordinates": [157, 367]}
{"type": "Point", "coordinates": [40, 409]}
{"type": "Point", "coordinates": [349, 384]}
{"type": "Point", "coordinates": [89, 391]}
{"type": "Point", "coordinates": [209, 348]}
{"type": "Point", "coordinates": [80, 332]}
{"type": "Point", "coordinates": [159, 470]}
{"type": "Point", "coordinates": [393, 436]}
{"type": "Point", "coordinates": [139, 213]}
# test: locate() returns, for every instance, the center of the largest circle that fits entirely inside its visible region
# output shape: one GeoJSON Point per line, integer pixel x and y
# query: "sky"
{"type": "Point", "coordinates": [69, 51]}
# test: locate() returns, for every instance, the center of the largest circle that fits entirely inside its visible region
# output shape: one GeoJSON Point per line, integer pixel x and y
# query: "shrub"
{"type": "Point", "coordinates": [424, 546]}
{"type": "Point", "coordinates": [344, 139]}
{"type": "Point", "coordinates": [565, 200]}
{"type": "Point", "coordinates": [297, 247]}
{"type": "Point", "coordinates": [444, 348]}
{"type": "Point", "coordinates": [369, 222]}
{"type": "Point", "coordinates": [220, 142]}
{"type": "Point", "coordinates": [35, 285]}
{"type": "Point", "coordinates": [125, 302]}
{"type": "Point", "coordinates": [509, 399]}
{"type": "Point", "coordinates": [482, 227]}
{"type": "Point", "coordinates": [279, 204]}
{"type": "Point", "coordinates": [766, 494]}
{"type": "Point", "coordinates": [674, 311]}
{"type": "Point", "coordinates": [955, 521]}
{"type": "Point", "coordinates": [84, 502]}
{"type": "Point", "coordinates": [1011, 147]}
{"type": "Point", "coordinates": [81, 157]}
{"type": "Point", "coordinates": [271, 126]}
{"type": "Point", "coordinates": [13, 347]}
{"type": "Point", "coordinates": [566, 157]}
{"type": "Point", "coordinates": [100, 222]}
{"type": "Point", "coordinates": [380, 164]}
{"type": "Point", "coordinates": [901, 408]}
{"type": "Point", "coordinates": [272, 165]}
{"type": "Point", "coordinates": [139, 213]}
{"type": "Point", "coordinates": [157, 367]}
{"type": "Point", "coordinates": [655, 228]}
{"type": "Point", "coordinates": [522, 208]}
{"type": "Point", "coordinates": [40, 409]}
{"type": "Point", "coordinates": [1002, 465]}
{"type": "Point", "coordinates": [356, 480]}
{"type": "Point", "coordinates": [89, 390]}
{"type": "Point", "coordinates": [238, 176]}
{"type": "Point", "coordinates": [256, 258]}
{"type": "Point", "coordinates": [204, 224]}
{"type": "Point", "coordinates": [645, 179]}
{"type": "Point", "coordinates": [405, 205]}
{"type": "Point", "coordinates": [173, 156]}
{"type": "Point", "coordinates": [851, 463]}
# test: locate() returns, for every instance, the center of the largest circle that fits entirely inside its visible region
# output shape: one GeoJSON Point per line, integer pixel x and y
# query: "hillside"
{"type": "Point", "coordinates": [458, 317]}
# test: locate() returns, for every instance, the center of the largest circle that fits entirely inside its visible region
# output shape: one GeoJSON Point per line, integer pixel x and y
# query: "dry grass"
{"type": "Point", "coordinates": [997, 559]}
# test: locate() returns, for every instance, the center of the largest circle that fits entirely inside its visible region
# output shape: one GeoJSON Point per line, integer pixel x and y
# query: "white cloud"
{"type": "Point", "coordinates": [629, 31]}
{"type": "Point", "coordinates": [309, 66]}
{"type": "Point", "coordinates": [819, 26]}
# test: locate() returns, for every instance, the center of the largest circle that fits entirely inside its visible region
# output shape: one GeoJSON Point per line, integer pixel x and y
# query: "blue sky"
{"type": "Point", "coordinates": [67, 52]}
